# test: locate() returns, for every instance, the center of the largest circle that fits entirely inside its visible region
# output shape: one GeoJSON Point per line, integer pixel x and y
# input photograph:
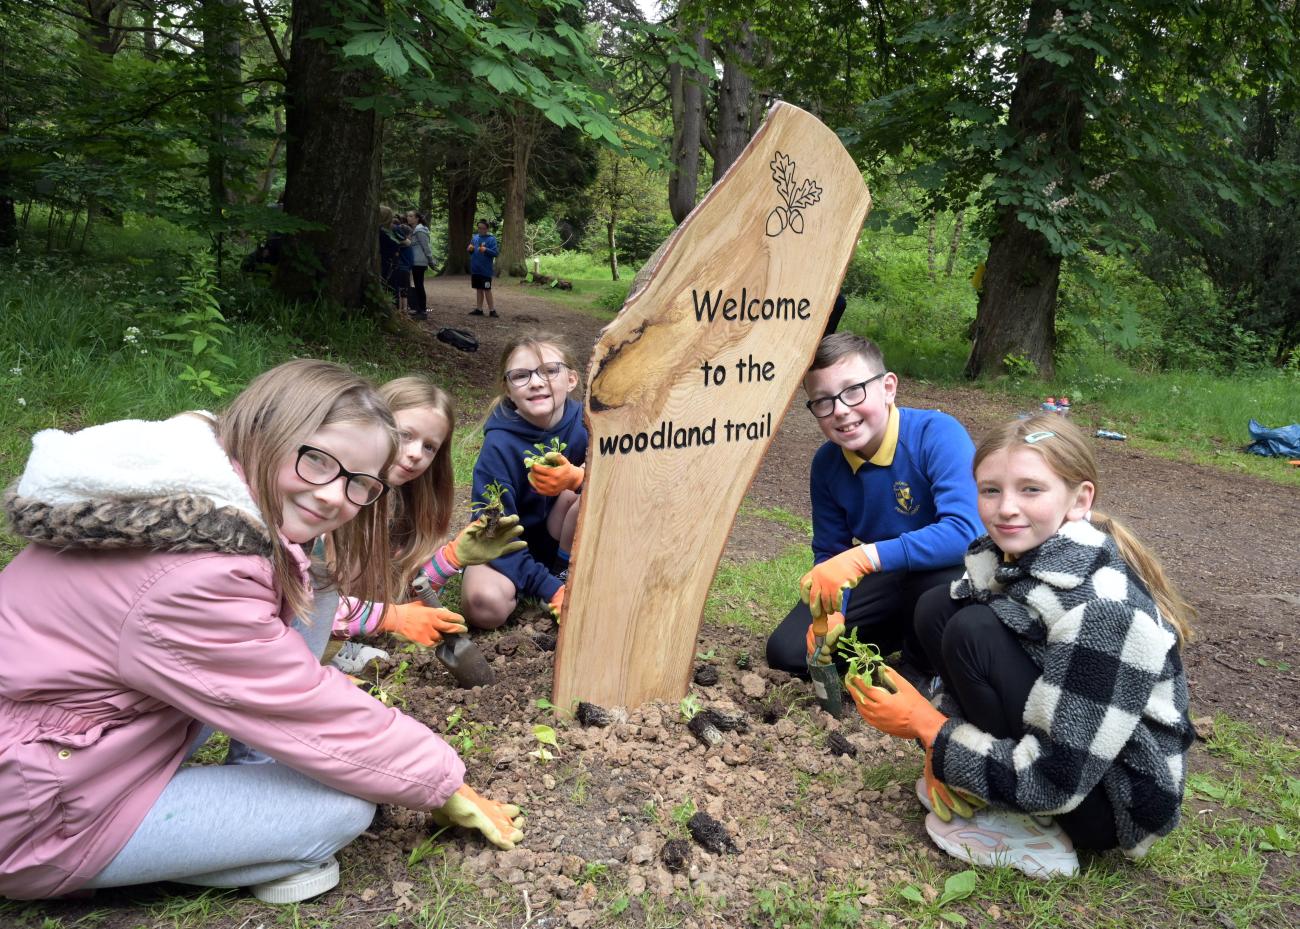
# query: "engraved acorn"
{"type": "Point", "coordinates": [776, 221]}
{"type": "Point", "coordinates": [796, 198]}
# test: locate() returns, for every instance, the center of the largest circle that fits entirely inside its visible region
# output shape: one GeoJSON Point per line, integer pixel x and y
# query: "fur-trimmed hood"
{"type": "Point", "coordinates": [163, 486]}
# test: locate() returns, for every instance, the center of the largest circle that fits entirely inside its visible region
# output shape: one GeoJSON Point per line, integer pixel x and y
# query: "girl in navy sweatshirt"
{"type": "Point", "coordinates": [537, 376]}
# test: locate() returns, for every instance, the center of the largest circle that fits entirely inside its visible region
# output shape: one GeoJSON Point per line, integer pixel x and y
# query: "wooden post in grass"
{"type": "Point", "coordinates": [684, 391]}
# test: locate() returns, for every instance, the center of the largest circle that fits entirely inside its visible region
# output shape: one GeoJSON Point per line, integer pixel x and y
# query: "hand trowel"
{"type": "Point", "coordinates": [825, 677]}
{"type": "Point", "coordinates": [461, 657]}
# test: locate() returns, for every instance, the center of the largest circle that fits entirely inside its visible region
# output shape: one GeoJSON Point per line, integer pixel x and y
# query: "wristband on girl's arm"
{"type": "Point", "coordinates": [440, 568]}
{"type": "Point", "coordinates": [357, 617]}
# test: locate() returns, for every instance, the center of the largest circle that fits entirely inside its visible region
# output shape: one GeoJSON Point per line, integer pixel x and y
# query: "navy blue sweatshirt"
{"type": "Point", "coordinates": [507, 438]}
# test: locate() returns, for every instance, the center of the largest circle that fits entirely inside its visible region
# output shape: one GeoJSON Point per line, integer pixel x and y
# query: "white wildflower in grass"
{"type": "Point", "coordinates": [132, 335]}
{"type": "Point", "coordinates": [16, 371]}
{"type": "Point", "coordinates": [22, 401]}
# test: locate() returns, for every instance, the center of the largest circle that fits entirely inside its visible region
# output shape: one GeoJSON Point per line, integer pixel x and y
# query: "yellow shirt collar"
{"type": "Point", "coordinates": [884, 456]}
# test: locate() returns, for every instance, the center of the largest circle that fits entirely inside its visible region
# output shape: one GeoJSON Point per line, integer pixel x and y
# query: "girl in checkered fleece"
{"type": "Point", "coordinates": [1063, 720]}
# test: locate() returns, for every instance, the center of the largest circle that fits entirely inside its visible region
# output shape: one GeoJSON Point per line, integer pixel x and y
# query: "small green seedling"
{"type": "Point", "coordinates": [865, 660]}
{"type": "Point", "coordinates": [545, 735]}
{"type": "Point", "coordinates": [491, 507]}
{"type": "Point", "coordinates": [386, 697]}
{"type": "Point", "coordinates": [959, 886]}
{"type": "Point", "coordinates": [548, 455]}
{"type": "Point", "coordinates": [690, 707]}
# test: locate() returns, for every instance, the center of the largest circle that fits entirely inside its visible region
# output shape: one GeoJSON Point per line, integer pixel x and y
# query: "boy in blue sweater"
{"type": "Point", "coordinates": [483, 250]}
{"type": "Point", "coordinates": [893, 507]}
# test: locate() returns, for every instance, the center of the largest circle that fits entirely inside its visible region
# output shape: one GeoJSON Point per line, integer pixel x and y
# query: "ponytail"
{"type": "Point", "coordinates": [1176, 610]}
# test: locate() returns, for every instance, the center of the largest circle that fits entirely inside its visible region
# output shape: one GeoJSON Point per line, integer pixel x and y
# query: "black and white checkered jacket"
{"type": "Point", "coordinates": [1111, 704]}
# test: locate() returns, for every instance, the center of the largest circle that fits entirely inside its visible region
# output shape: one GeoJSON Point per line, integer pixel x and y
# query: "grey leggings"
{"type": "Point", "coordinates": [245, 822]}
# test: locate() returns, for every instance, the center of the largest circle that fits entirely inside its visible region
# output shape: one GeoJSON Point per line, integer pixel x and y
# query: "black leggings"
{"type": "Point", "coordinates": [989, 673]}
{"type": "Point", "coordinates": [417, 298]}
{"type": "Point", "coordinates": [881, 607]}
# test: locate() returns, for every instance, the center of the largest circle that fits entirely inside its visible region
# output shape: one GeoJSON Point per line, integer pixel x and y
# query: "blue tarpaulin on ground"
{"type": "Point", "coordinates": [1283, 441]}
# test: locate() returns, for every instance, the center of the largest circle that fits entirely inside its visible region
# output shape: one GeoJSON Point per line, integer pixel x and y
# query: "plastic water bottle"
{"type": "Point", "coordinates": [1108, 434]}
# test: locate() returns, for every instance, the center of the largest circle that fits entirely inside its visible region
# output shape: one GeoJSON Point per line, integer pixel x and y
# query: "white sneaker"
{"type": "Point", "coordinates": [301, 886]}
{"type": "Point", "coordinates": [999, 838]}
{"type": "Point", "coordinates": [352, 657]}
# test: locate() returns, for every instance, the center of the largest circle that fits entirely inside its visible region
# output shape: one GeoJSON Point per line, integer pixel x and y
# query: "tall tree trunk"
{"type": "Point", "coordinates": [427, 164]}
{"type": "Point", "coordinates": [332, 167]}
{"type": "Point", "coordinates": [1017, 308]}
{"type": "Point", "coordinates": [687, 89]}
{"type": "Point", "coordinates": [524, 124]}
{"type": "Point", "coordinates": [931, 255]}
{"type": "Point", "coordinates": [462, 179]}
{"type": "Point", "coordinates": [735, 103]}
{"type": "Point", "coordinates": [222, 55]}
{"type": "Point", "coordinates": [613, 245]}
{"type": "Point", "coordinates": [8, 210]}
{"type": "Point", "coordinates": [955, 244]}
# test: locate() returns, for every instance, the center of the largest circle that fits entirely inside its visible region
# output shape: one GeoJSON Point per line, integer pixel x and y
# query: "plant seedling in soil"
{"type": "Point", "coordinates": [548, 455]}
{"type": "Point", "coordinates": [865, 661]}
{"type": "Point", "coordinates": [958, 886]}
{"type": "Point", "coordinates": [491, 507]}
{"type": "Point", "coordinates": [386, 697]}
{"type": "Point", "coordinates": [545, 735]}
{"type": "Point", "coordinates": [690, 706]}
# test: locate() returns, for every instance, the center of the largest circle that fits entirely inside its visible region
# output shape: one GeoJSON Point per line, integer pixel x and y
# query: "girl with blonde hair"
{"type": "Point", "coordinates": [1065, 699]}
{"type": "Point", "coordinates": [167, 562]}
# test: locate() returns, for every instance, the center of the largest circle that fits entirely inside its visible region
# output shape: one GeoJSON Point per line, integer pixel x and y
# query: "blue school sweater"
{"type": "Point", "coordinates": [507, 438]}
{"type": "Point", "coordinates": [914, 499]}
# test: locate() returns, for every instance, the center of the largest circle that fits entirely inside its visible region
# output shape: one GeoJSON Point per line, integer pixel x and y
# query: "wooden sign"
{"type": "Point", "coordinates": [684, 391]}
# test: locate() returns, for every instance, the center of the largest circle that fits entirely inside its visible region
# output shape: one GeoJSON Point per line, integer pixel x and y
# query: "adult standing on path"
{"type": "Point", "coordinates": [483, 250]}
{"type": "Point", "coordinates": [421, 260]}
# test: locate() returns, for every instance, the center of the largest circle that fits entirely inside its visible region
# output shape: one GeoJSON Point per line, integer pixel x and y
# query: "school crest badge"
{"type": "Point", "coordinates": [903, 499]}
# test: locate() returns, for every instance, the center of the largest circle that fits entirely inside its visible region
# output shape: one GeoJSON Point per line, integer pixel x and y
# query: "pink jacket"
{"type": "Point", "coordinates": [116, 652]}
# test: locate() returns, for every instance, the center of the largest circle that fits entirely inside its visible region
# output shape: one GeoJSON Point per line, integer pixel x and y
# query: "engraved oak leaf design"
{"type": "Point", "coordinates": [796, 197]}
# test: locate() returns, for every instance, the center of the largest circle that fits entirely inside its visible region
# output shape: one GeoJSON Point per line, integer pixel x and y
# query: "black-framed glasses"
{"type": "Point", "coordinates": [849, 396]}
{"type": "Point", "coordinates": [519, 377]}
{"type": "Point", "coordinates": [319, 467]}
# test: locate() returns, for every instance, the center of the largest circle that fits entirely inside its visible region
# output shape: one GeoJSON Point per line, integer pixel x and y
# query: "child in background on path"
{"type": "Point", "coordinates": [176, 551]}
{"type": "Point", "coordinates": [893, 508]}
{"type": "Point", "coordinates": [405, 259]}
{"type": "Point", "coordinates": [537, 377]}
{"type": "Point", "coordinates": [421, 261]}
{"type": "Point", "coordinates": [1064, 691]}
{"type": "Point", "coordinates": [483, 250]}
{"type": "Point", "coordinates": [422, 478]}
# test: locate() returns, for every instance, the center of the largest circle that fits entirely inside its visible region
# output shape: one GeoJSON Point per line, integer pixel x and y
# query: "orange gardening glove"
{"type": "Point", "coordinates": [424, 625]}
{"type": "Point", "coordinates": [557, 603]}
{"type": "Point", "coordinates": [905, 713]}
{"type": "Point", "coordinates": [499, 822]}
{"type": "Point", "coordinates": [945, 801]}
{"type": "Point", "coordinates": [821, 587]}
{"type": "Point", "coordinates": [834, 628]}
{"type": "Point", "coordinates": [475, 546]}
{"type": "Point", "coordinates": [550, 479]}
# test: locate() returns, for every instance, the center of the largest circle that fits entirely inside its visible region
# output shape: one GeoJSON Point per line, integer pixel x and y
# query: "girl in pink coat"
{"type": "Point", "coordinates": [167, 562]}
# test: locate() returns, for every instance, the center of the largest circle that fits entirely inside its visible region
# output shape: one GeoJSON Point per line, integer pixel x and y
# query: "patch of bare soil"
{"type": "Point", "coordinates": [795, 796]}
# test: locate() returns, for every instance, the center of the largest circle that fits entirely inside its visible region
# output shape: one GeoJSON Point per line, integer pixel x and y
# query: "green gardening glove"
{"type": "Point", "coordinates": [499, 822]}
{"type": "Point", "coordinates": [475, 546]}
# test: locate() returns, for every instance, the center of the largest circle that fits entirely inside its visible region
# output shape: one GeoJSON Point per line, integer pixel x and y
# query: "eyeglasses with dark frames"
{"type": "Point", "coordinates": [849, 396]}
{"type": "Point", "coordinates": [519, 377]}
{"type": "Point", "coordinates": [319, 467]}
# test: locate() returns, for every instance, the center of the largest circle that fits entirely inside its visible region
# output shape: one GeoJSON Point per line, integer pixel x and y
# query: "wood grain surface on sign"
{"type": "Point", "coordinates": [684, 391]}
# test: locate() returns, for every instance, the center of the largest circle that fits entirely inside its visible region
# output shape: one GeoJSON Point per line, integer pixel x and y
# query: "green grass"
{"type": "Point", "coordinates": [756, 595]}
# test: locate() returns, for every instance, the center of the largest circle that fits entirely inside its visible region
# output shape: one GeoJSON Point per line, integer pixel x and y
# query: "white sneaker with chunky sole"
{"type": "Point", "coordinates": [352, 657]}
{"type": "Point", "coordinates": [301, 886]}
{"type": "Point", "coordinates": [999, 838]}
